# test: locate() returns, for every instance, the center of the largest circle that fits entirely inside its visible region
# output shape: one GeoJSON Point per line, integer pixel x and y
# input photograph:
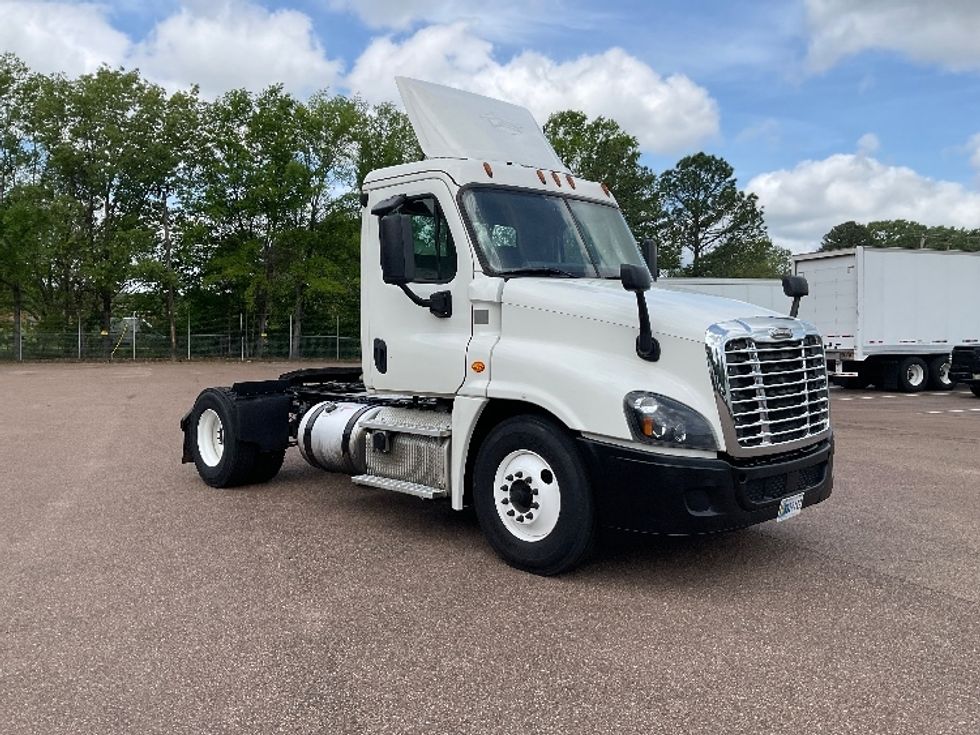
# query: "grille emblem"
{"type": "Point", "coordinates": [781, 333]}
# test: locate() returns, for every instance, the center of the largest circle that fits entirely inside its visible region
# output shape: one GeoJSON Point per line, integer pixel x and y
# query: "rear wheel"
{"type": "Point", "coordinates": [222, 460]}
{"type": "Point", "coordinates": [532, 497]}
{"type": "Point", "coordinates": [939, 373]}
{"type": "Point", "coordinates": [912, 374]}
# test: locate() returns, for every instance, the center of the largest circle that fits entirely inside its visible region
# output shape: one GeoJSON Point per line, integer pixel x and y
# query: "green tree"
{"type": "Point", "coordinates": [600, 150]}
{"type": "Point", "coordinates": [704, 210]}
{"type": "Point", "coordinates": [848, 234]}
{"type": "Point", "coordinates": [897, 233]}
{"type": "Point", "coordinates": [384, 137]}
{"type": "Point", "coordinates": [753, 259]}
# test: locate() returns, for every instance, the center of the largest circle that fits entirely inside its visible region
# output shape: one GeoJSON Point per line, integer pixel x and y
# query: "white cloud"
{"type": "Point", "coordinates": [505, 20]}
{"type": "Point", "coordinates": [235, 44]}
{"type": "Point", "coordinates": [60, 36]}
{"type": "Point", "coordinates": [867, 144]}
{"type": "Point", "coordinates": [973, 148]}
{"type": "Point", "coordinates": [666, 114]}
{"type": "Point", "coordinates": [942, 32]}
{"type": "Point", "coordinates": [803, 203]}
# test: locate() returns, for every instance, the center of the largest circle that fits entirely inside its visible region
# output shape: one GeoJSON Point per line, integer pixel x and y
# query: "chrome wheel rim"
{"type": "Point", "coordinates": [527, 495]}
{"type": "Point", "coordinates": [210, 437]}
{"type": "Point", "coordinates": [915, 375]}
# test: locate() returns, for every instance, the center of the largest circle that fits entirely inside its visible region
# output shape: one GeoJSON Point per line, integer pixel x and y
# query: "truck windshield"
{"type": "Point", "coordinates": [526, 233]}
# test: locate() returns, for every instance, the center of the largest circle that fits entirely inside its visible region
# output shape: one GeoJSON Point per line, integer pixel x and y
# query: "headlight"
{"type": "Point", "coordinates": [656, 419]}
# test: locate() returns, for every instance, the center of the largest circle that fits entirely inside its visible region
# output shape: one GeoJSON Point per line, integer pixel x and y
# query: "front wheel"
{"type": "Point", "coordinates": [532, 497]}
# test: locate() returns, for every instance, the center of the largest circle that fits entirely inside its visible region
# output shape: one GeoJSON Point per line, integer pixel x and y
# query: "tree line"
{"type": "Point", "coordinates": [117, 195]}
{"type": "Point", "coordinates": [899, 233]}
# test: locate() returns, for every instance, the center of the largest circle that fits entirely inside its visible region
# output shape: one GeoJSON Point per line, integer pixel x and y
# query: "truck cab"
{"type": "Point", "coordinates": [517, 358]}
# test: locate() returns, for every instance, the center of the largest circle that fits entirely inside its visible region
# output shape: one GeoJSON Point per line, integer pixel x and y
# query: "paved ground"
{"type": "Point", "coordinates": [134, 599]}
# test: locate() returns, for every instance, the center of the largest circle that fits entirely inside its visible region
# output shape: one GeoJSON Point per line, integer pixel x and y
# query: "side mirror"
{"type": "Point", "coordinates": [648, 249]}
{"type": "Point", "coordinates": [397, 249]}
{"type": "Point", "coordinates": [796, 288]}
{"type": "Point", "coordinates": [634, 278]}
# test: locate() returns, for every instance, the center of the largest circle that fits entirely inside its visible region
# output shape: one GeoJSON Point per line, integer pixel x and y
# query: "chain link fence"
{"type": "Point", "coordinates": [133, 338]}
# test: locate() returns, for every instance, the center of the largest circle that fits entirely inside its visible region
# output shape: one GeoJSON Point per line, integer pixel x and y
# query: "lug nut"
{"type": "Point", "coordinates": [535, 506]}
{"type": "Point", "coordinates": [534, 491]}
{"type": "Point", "coordinates": [529, 515]}
{"type": "Point", "coordinates": [510, 512]}
{"type": "Point", "coordinates": [518, 475]}
{"type": "Point", "coordinates": [520, 519]}
{"type": "Point", "coordinates": [510, 478]}
{"type": "Point", "coordinates": [505, 501]}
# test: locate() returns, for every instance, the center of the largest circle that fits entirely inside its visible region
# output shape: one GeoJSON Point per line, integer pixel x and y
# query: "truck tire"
{"type": "Point", "coordinates": [222, 460]}
{"type": "Point", "coordinates": [913, 374]}
{"type": "Point", "coordinates": [939, 373]}
{"type": "Point", "coordinates": [532, 497]}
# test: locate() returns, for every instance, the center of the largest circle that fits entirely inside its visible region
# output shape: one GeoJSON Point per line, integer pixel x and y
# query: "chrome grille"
{"type": "Point", "coordinates": [776, 391]}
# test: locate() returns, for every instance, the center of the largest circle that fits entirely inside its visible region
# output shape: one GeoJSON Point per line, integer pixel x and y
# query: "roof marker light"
{"type": "Point", "coordinates": [557, 179]}
{"type": "Point", "coordinates": [486, 167]}
{"type": "Point", "coordinates": [570, 180]}
{"type": "Point", "coordinates": [541, 176]}
{"type": "Point", "coordinates": [605, 188]}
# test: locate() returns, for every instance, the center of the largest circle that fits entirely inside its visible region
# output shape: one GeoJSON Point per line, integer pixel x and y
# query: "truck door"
{"type": "Point", "coordinates": [408, 348]}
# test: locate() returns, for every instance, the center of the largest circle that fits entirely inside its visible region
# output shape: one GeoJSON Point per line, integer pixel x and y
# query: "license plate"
{"type": "Point", "coordinates": [789, 507]}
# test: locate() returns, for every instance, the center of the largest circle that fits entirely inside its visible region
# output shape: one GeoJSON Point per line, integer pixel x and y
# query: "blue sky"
{"type": "Point", "coordinates": [828, 109]}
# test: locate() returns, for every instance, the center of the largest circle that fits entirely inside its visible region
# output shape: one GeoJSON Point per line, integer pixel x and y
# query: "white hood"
{"type": "Point", "coordinates": [674, 313]}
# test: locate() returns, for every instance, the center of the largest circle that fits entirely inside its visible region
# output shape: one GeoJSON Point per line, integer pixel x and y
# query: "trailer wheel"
{"type": "Point", "coordinates": [532, 496]}
{"type": "Point", "coordinates": [939, 373]}
{"type": "Point", "coordinates": [913, 374]}
{"type": "Point", "coordinates": [221, 460]}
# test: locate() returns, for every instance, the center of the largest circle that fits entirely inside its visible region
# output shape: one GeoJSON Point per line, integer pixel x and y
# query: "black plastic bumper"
{"type": "Point", "coordinates": [640, 491]}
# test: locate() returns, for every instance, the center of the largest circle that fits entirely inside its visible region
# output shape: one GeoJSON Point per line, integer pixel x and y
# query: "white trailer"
{"type": "Point", "coordinates": [891, 316]}
{"type": "Point", "coordinates": [764, 292]}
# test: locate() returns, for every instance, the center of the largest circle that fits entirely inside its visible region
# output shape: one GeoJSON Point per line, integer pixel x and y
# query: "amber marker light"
{"type": "Point", "coordinates": [478, 367]}
{"type": "Point", "coordinates": [605, 188]}
{"type": "Point", "coordinates": [570, 180]}
{"type": "Point", "coordinates": [554, 175]}
{"type": "Point", "coordinates": [486, 167]}
{"type": "Point", "coordinates": [541, 176]}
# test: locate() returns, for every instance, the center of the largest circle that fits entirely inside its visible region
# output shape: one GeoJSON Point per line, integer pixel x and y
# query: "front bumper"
{"type": "Point", "coordinates": [640, 491]}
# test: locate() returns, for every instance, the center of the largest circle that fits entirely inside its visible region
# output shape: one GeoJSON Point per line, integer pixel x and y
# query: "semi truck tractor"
{"type": "Point", "coordinates": [517, 360]}
{"type": "Point", "coordinates": [965, 367]}
{"type": "Point", "coordinates": [891, 317]}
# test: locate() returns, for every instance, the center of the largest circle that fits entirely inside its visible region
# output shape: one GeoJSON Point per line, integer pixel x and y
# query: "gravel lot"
{"type": "Point", "coordinates": [134, 599]}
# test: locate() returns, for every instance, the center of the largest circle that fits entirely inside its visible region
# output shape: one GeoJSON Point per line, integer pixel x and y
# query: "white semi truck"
{"type": "Point", "coordinates": [516, 359]}
{"type": "Point", "coordinates": [891, 317]}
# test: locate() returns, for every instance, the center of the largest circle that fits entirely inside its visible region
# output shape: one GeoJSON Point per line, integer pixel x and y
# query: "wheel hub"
{"type": "Point", "coordinates": [527, 495]}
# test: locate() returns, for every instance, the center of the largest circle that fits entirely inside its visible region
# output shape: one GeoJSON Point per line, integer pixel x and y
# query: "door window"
{"type": "Point", "coordinates": [435, 251]}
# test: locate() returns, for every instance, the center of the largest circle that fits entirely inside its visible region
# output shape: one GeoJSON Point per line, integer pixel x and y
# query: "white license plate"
{"type": "Point", "coordinates": [789, 507]}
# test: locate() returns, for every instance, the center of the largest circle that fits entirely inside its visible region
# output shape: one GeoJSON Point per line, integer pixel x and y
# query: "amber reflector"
{"type": "Point", "coordinates": [478, 367]}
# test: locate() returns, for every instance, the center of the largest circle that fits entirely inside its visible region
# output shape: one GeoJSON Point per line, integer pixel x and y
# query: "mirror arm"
{"type": "Point", "coordinates": [795, 308]}
{"type": "Point", "coordinates": [440, 303]}
{"type": "Point", "coordinates": [647, 347]}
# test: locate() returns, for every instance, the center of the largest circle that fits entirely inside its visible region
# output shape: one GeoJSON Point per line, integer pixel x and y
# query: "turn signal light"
{"type": "Point", "coordinates": [478, 366]}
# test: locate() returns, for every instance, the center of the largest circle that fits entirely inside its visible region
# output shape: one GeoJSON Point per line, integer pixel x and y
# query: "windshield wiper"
{"type": "Point", "coordinates": [539, 271]}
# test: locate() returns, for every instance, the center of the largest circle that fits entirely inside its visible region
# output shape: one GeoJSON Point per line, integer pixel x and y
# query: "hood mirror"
{"type": "Point", "coordinates": [796, 288]}
{"type": "Point", "coordinates": [636, 278]}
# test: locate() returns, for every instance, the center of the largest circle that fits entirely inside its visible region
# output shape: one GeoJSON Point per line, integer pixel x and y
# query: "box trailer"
{"type": "Point", "coordinates": [891, 317]}
{"type": "Point", "coordinates": [764, 292]}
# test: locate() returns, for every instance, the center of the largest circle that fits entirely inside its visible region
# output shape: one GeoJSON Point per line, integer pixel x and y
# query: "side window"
{"type": "Point", "coordinates": [435, 252]}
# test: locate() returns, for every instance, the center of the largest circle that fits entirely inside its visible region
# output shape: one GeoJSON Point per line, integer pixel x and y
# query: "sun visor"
{"type": "Point", "coordinates": [450, 123]}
